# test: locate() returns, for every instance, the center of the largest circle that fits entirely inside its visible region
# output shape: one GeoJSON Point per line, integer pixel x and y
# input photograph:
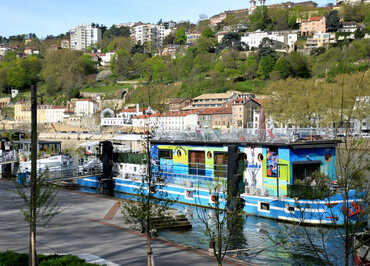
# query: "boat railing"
{"type": "Point", "coordinates": [192, 175]}
{"type": "Point", "coordinates": [8, 156]}
{"type": "Point", "coordinates": [274, 135]}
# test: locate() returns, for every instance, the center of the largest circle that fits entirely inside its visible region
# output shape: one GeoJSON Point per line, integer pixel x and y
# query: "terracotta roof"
{"type": "Point", "coordinates": [316, 18]}
{"type": "Point", "coordinates": [131, 110]}
{"type": "Point", "coordinates": [169, 114]}
{"type": "Point", "coordinates": [215, 111]}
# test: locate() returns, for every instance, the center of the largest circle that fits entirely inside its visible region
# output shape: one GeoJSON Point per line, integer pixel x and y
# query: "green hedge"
{"type": "Point", "coordinates": [135, 158]}
{"type": "Point", "coordinates": [308, 192]}
{"type": "Point", "coordinates": [10, 258]}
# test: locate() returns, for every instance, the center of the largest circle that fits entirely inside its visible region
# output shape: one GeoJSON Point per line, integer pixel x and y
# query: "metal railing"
{"type": "Point", "coordinates": [8, 156]}
{"type": "Point", "coordinates": [62, 174]}
{"type": "Point", "coordinates": [274, 135]}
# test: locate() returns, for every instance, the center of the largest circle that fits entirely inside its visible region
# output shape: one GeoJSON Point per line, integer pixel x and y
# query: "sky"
{"type": "Point", "coordinates": [45, 17]}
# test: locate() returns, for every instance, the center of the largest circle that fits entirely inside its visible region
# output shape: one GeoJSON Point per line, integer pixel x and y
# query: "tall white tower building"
{"type": "Point", "coordinates": [83, 36]}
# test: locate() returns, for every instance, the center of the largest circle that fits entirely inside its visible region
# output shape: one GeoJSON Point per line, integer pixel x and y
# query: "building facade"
{"type": "Point", "coordinates": [149, 33]}
{"type": "Point", "coordinates": [84, 36]}
{"type": "Point", "coordinates": [313, 25]}
{"type": "Point", "coordinates": [85, 107]}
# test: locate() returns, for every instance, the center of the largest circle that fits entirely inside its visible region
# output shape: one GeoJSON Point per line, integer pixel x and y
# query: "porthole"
{"type": "Point", "coordinates": [260, 157]}
{"type": "Point", "coordinates": [327, 157]}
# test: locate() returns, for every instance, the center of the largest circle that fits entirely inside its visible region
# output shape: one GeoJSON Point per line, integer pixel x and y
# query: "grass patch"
{"type": "Point", "coordinates": [10, 258]}
{"type": "Point", "coordinates": [111, 91]}
{"type": "Point", "coordinates": [254, 86]}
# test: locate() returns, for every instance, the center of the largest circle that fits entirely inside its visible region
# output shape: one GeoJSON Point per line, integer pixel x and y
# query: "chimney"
{"type": "Point", "coordinates": [137, 108]}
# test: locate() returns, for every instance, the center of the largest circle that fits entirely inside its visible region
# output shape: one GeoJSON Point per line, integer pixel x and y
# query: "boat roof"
{"type": "Point", "coordinates": [295, 138]}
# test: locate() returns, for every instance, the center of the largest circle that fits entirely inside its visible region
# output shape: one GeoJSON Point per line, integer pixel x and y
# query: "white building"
{"type": "Point", "coordinates": [3, 50]}
{"type": "Point", "coordinates": [149, 33]}
{"type": "Point", "coordinates": [106, 58]}
{"type": "Point", "coordinates": [55, 114]}
{"type": "Point", "coordinates": [254, 39]}
{"type": "Point", "coordinates": [170, 121]}
{"type": "Point", "coordinates": [123, 117]}
{"type": "Point", "coordinates": [84, 36]}
{"type": "Point", "coordinates": [85, 107]}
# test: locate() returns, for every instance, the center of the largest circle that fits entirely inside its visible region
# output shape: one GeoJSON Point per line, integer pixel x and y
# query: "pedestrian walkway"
{"type": "Point", "coordinates": [88, 225]}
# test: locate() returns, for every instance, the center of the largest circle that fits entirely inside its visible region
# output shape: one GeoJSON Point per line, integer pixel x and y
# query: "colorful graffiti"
{"type": "Point", "coordinates": [268, 170]}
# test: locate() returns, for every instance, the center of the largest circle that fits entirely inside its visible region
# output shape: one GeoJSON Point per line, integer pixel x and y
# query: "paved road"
{"type": "Point", "coordinates": [81, 229]}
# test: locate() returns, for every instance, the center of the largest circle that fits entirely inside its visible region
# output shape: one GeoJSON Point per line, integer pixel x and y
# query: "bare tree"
{"type": "Point", "coordinates": [222, 225]}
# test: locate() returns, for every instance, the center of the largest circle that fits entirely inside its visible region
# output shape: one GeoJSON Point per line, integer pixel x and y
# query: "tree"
{"type": "Point", "coordinates": [299, 64]}
{"type": "Point", "coordinates": [250, 67]}
{"type": "Point", "coordinates": [120, 43]}
{"type": "Point", "coordinates": [63, 70]}
{"type": "Point", "coordinates": [265, 48]}
{"type": "Point", "coordinates": [121, 64]}
{"type": "Point", "coordinates": [265, 66]}
{"type": "Point", "coordinates": [283, 67]}
{"type": "Point", "coordinates": [208, 33]}
{"type": "Point", "coordinates": [333, 21]}
{"type": "Point", "coordinates": [151, 201]}
{"type": "Point", "coordinates": [180, 36]}
{"type": "Point", "coordinates": [169, 39]}
{"type": "Point", "coordinates": [225, 226]}
{"type": "Point", "coordinates": [39, 198]}
{"type": "Point", "coordinates": [359, 34]}
{"type": "Point", "coordinates": [116, 32]}
{"type": "Point", "coordinates": [278, 18]}
{"type": "Point", "coordinates": [16, 76]}
{"type": "Point", "coordinates": [259, 19]}
{"type": "Point", "coordinates": [231, 40]}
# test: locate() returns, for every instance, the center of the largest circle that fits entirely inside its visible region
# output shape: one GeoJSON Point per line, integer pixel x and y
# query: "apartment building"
{"type": "Point", "coordinates": [192, 37]}
{"type": "Point", "coordinates": [149, 33]}
{"type": "Point", "coordinates": [320, 40]}
{"type": "Point", "coordinates": [212, 100]}
{"type": "Point", "coordinates": [313, 25]}
{"type": "Point", "coordinates": [84, 36]}
{"type": "Point", "coordinates": [45, 113]}
{"type": "Point", "coordinates": [245, 113]}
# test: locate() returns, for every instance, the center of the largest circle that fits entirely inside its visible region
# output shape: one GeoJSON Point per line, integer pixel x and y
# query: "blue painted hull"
{"type": "Point", "coordinates": [328, 211]}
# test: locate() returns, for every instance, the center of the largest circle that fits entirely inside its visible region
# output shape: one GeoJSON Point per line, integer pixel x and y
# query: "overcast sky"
{"type": "Point", "coordinates": [45, 17]}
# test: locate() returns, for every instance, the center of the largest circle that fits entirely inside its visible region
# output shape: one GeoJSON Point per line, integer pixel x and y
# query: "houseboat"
{"type": "Point", "coordinates": [272, 171]}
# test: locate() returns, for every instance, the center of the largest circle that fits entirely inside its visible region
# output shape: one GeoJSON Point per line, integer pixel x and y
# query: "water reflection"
{"type": "Point", "coordinates": [262, 241]}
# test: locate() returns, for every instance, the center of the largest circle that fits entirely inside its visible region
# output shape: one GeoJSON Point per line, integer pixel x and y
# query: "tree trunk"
{"type": "Point", "coordinates": [32, 261]}
{"type": "Point", "coordinates": [148, 218]}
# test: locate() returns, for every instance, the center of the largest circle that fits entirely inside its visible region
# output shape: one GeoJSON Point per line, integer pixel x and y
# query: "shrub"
{"type": "Point", "coordinates": [10, 258]}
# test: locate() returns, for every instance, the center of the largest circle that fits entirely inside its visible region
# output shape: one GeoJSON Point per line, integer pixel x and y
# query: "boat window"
{"type": "Point", "coordinates": [220, 164]}
{"type": "Point", "coordinates": [197, 163]}
{"type": "Point", "coordinates": [290, 208]}
{"type": "Point", "coordinates": [165, 154]}
{"type": "Point", "coordinates": [265, 206]}
{"type": "Point", "coordinates": [304, 170]}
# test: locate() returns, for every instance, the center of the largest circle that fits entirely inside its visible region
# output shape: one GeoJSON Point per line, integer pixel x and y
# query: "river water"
{"type": "Point", "coordinates": [264, 241]}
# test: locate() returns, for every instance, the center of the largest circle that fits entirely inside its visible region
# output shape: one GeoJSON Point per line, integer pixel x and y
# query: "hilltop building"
{"type": "Point", "coordinates": [84, 36]}
{"type": "Point", "coordinates": [149, 33]}
{"type": "Point", "coordinates": [313, 25]}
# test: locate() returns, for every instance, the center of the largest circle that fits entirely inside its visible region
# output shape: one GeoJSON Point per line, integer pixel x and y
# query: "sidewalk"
{"type": "Point", "coordinates": [82, 229]}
